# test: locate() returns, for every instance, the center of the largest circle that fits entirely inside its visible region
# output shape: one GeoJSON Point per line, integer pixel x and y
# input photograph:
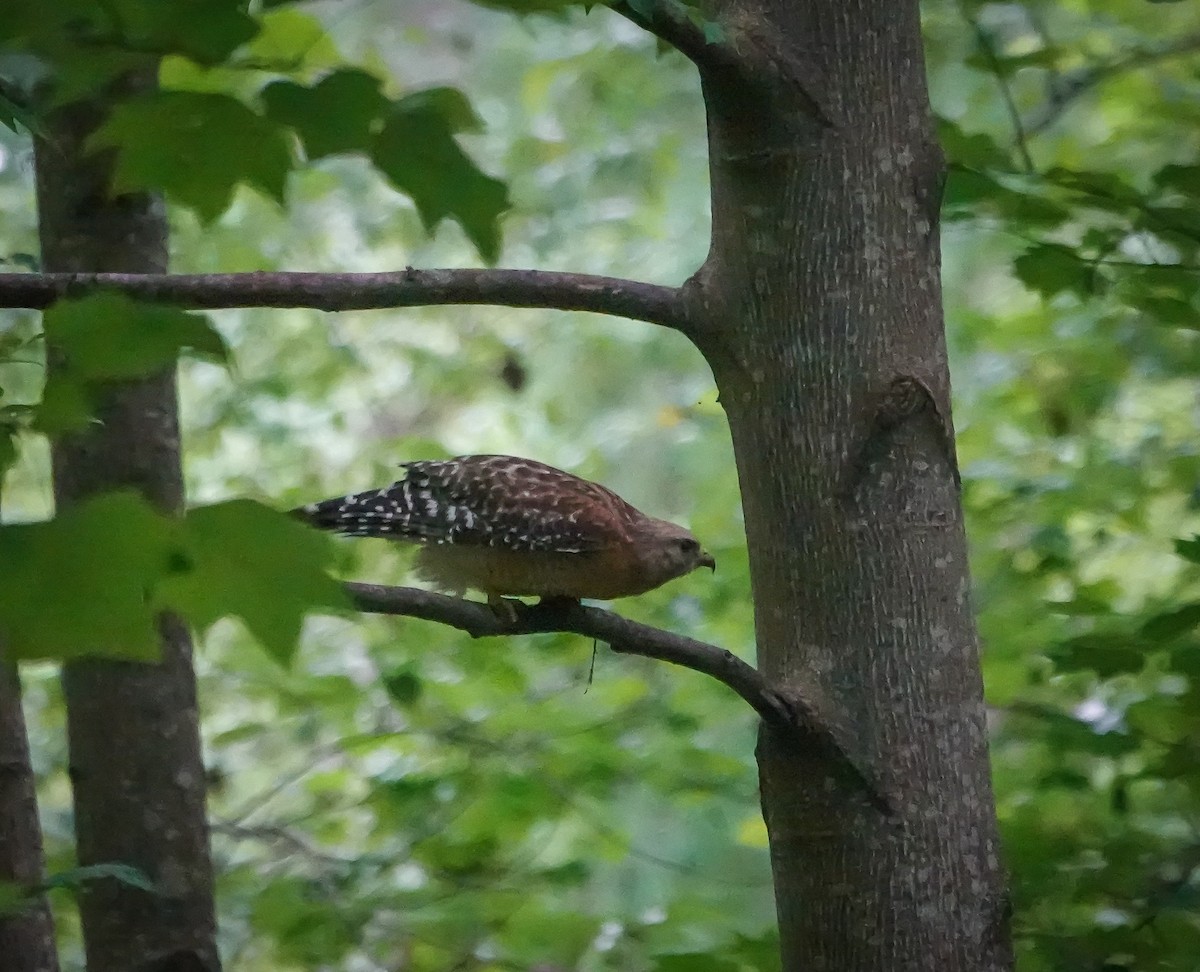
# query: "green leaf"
{"type": "Point", "coordinates": [8, 446]}
{"type": "Point", "coordinates": [1170, 312]}
{"type": "Point", "coordinates": [1185, 658]}
{"type": "Point", "coordinates": [1105, 654]}
{"type": "Point", "coordinates": [1184, 179]}
{"type": "Point", "coordinates": [713, 32]}
{"type": "Point", "coordinates": [646, 8]}
{"type": "Point", "coordinates": [970, 193]}
{"type": "Point", "coordinates": [1064, 733]}
{"type": "Point", "coordinates": [79, 43]}
{"type": "Point", "coordinates": [1189, 549]}
{"type": "Point", "coordinates": [537, 933]}
{"type": "Point", "coordinates": [1171, 624]}
{"type": "Point", "coordinates": [79, 877]}
{"type": "Point", "coordinates": [306, 925]}
{"type": "Point", "coordinates": [13, 898]}
{"type": "Point", "coordinates": [403, 686]}
{"type": "Point", "coordinates": [9, 113]}
{"type": "Point", "coordinates": [525, 7]}
{"type": "Point", "coordinates": [66, 406]}
{"type": "Point", "coordinates": [450, 103]}
{"type": "Point", "coordinates": [23, 261]}
{"type": "Point", "coordinates": [761, 954]}
{"type": "Point", "coordinates": [1163, 719]}
{"type": "Point", "coordinates": [256, 564]}
{"type": "Point", "coordinates": [294, 38]}
{"type": "Point", "coordinates": [15, 116]}
{"type": "Point", "coordinates": [694, 962]}
{"type": "Point", "coordinates": [1103, 190]}
{"type": "Point", "coordinates": [110, 336]}
{"type": "Point", "coordinates": [206, 31]}
{"type": "Point", "coordinates": [972, 151]}
{"type": "Point", "coordinates": [83, 583]}
{"type": "Point", "coordinates": [90, 40]}
{"type": "Point", "coordinates": [196, 147]}
{"type": "Point", "coordinates": [337, 114]}
{"type": "Point", "coordinates": [417, 151]}
{"type": "Point", "coordinates": [1051, 270]}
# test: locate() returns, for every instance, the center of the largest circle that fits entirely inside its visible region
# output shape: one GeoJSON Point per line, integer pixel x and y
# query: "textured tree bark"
{"type": "Point", "coordinates": [26, 938]}
{"type": "Point", "coordinates": [825, 334]}
{"type": "Point", "coordinates": [135, 760]}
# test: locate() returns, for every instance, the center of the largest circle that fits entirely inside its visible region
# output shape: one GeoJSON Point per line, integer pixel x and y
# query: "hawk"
{"type": "Point", "coordinates": [508, 526]}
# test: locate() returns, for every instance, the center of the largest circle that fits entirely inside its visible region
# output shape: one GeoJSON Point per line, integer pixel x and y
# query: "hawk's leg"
{"type": "Point", "coordinates": [552, 601]}
{"type": "Point", "coordinates": [505, 608]}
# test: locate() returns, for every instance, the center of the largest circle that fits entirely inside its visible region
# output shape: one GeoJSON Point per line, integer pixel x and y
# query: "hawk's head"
{"type": "Point", "coordinates": [666, 551]}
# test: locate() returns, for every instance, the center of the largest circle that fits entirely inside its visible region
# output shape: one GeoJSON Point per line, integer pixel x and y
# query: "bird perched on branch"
{"type": "Point", "coordinates": [508, 526]}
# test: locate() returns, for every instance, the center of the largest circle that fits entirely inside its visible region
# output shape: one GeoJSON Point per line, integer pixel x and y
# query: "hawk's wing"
{"type": "Point", "coordinates": [484, 501]}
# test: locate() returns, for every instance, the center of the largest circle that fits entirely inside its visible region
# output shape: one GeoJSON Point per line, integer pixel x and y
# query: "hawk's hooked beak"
{"type": "Point", "coordinates": [706, 560]}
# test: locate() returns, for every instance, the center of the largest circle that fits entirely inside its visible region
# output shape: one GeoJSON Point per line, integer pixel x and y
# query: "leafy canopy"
{"type": "Point", "coordinates": [95, 579]}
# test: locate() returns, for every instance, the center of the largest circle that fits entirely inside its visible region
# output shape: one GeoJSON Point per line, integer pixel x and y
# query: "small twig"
{"type": "Point", "coordinates": [1071, 86]}
{"type": "Point", "coordinates": [280, 834]}
{"type": "Point", "coordinates": [786, 710]}
{"type": "Point", "coordinates": [365, 291]}
{"type": "Point", "coordinates": [984, 40]}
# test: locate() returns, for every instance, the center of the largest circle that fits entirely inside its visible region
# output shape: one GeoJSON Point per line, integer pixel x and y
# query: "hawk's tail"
{"type": "Point", "coordinates": [384, 512]}
{"type": "Point", "coordinates": [351, 515]}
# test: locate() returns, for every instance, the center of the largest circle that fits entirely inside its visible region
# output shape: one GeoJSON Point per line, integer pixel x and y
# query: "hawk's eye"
{"type": "Point", "coordinates": [689, 546]}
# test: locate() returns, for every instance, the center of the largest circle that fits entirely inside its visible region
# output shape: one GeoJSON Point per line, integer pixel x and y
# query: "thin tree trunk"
{"type": "Point", "coordinates": [136, 766]}
{"type": "Point", "coordinates": [26, 938]}
{"type": "Point", "coordinates": [827, 343]}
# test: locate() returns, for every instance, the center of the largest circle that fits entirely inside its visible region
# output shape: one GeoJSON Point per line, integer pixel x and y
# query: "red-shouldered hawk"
{"type": "Point", "coordinates": [509, 526]}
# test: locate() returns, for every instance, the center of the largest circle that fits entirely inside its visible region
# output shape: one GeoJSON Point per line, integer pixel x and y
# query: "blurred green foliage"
{"type": "Point", "coordinates": [399, 796]}
{"type": "Point", "coordinates": [1072, 232]}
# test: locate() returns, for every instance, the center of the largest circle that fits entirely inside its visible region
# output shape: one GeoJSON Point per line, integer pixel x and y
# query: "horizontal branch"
{"type": "Point", "coordinates": [365, 291]}
{"type": "Point", "coordinates": [782, 710]}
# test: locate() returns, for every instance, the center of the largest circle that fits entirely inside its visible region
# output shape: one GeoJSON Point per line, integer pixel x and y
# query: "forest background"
{"type": "Point", "coordinates": [397, 787]}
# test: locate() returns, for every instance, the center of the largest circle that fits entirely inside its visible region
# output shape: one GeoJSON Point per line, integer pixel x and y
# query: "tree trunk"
{"type": "Point", "coordinates": [136, 767]}
{"type": "Point", "coordinates": [826, 339]}
{"type": "Point", "coordinates": [26, 938]}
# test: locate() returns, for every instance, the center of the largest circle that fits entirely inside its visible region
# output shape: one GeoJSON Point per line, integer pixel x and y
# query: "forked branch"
{"type": "Point", "coordinates": [744, 52]}
{"type": "Point", "coordinates": [668, 20]}
{"type": "Point", "coordinates": [365, 291]}
{"type": "Point", "coordinates": [785, 710]}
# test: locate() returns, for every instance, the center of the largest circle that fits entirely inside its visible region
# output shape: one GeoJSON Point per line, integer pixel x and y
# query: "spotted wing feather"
{"type": "Point", "coordinates": [483, 501]}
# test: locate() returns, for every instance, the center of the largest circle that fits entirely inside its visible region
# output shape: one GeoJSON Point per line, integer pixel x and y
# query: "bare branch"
{"type": "Point", "coordinates": [1072, 85]}
{"type": "Point", "coordinates": [784, 710]}
{"type": "Point", "coordinates": [365, 291]}
{"type": "Point", "coordinates": [988, 49]}
{"type": "Point", "coordinates": [281, 835]}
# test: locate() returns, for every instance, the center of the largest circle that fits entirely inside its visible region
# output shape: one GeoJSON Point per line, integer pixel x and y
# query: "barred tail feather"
{"type": "Point", "coordinates": [361, 515]}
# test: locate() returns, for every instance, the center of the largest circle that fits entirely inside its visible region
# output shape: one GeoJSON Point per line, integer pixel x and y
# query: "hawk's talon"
{"type": "Point", "coordinates": [558, 601]}
{"type": "Point", "coordinates": [505, 608]}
